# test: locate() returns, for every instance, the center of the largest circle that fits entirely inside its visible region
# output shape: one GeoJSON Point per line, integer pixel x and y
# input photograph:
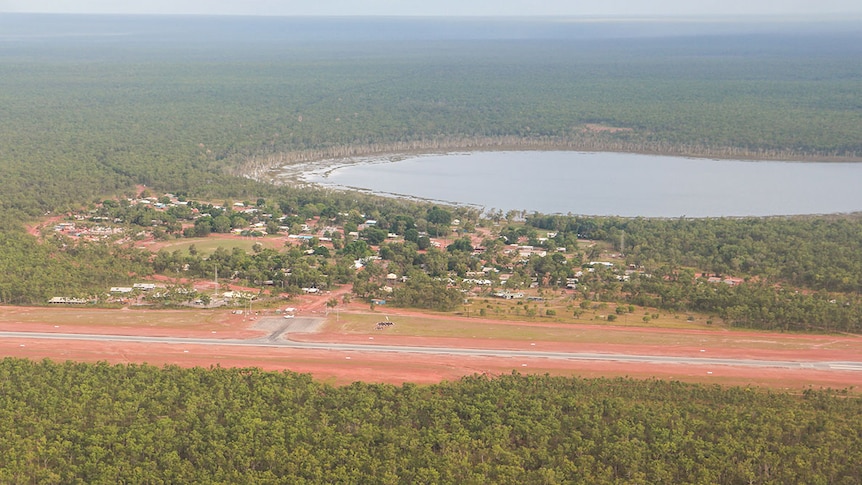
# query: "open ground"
{"type": "Point", "coordinates": [355, 324]}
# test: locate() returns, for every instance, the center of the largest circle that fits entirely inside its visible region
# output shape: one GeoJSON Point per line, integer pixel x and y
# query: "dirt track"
{"type": "Point", "coordinates": [346, 366]}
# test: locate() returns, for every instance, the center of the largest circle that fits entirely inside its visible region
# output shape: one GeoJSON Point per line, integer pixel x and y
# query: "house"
{"type": "Point", "coordinates": [728, 280]}
{"type": "Point", "coordinates": [60, 300]}
{"type": "Point", "coordinates": [65, 226]}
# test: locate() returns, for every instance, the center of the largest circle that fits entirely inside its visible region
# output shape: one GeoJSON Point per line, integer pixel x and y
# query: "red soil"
{"type": "Point", "coordinates": [343, 367]}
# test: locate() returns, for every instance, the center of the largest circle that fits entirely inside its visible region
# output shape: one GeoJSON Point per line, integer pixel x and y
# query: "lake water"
{"type": "Point", "coordinates": [605, 183]}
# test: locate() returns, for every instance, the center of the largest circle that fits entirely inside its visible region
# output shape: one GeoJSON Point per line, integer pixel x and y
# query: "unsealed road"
{"type": "Point", "coordinates": [280, 330]}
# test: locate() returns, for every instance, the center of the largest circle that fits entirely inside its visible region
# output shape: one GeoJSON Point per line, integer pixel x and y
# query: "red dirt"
{"type": "Point", "coordinates": [343, 367]}
{"type": "Point", "coordinates": [35, 229]}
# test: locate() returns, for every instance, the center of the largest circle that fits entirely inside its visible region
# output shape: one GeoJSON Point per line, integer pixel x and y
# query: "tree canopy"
{"type": "Point", "coordinates": [102, 423]}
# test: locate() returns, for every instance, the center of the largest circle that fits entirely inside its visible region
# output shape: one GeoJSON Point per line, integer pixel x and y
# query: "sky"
{"type": "Point", "coordinates": [443, 7]}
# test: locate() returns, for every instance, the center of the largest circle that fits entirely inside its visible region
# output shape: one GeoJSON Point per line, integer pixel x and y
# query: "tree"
{"type": "Point", "coordinates": [221, 224]}
{"type": "Point", "coordinates": [436, 262]}
{"type": "Point", "coordinates": [203, 226]}
{"type": "Point", "coordinates": [422, 291]}
{"type": "Point", "coordinates": [439, 216]}
{"type": "Point", "coordinates": [463, 244]}
{"type": "Point", "coordinates": [411, 235]}
{"type": "Point", "coordinates": [374, 235]}
{"type": "Point", "coordinates": [423, 242]}
{"type": "Point", "coordinates": [358, 249]}
{"type": "Point", "coordinates": [272, 227]}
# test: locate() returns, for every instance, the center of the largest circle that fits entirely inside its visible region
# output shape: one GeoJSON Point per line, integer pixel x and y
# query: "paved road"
{"type": "Point", "coordinates": [280, 338]}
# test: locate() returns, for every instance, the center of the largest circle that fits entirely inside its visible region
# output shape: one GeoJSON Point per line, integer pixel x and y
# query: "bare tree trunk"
{"type": "Point", "coordinates": [260, 167]}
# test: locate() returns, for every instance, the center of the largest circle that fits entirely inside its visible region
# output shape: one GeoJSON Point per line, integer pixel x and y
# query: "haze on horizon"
{"type": "Point", "coordinates": [473, 8]}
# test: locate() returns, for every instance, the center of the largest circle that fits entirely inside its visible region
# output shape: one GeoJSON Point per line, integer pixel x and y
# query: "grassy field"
{"type": "Point", "coordinates": [565, 308]}
{"type": "Point", "coordinates": [177, 319]}
{"type": "Point", "coordinates": [441, 326]}
{"type": "Point", "coordinates": [208, 245]}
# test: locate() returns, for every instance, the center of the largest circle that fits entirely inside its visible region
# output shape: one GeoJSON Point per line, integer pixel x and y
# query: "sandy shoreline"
{"type": "Point", "coordinates": [317, 173]}
{"type": "Point", "coordinates": [299, 173]}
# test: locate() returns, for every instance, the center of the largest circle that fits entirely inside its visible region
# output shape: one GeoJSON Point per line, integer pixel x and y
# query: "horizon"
{"type": "Point", "coordinates": [442, 8]}
{"type": "Point", "coordinates": [223, 28]}
{"type": "Point", "coordinates": [854, 16]}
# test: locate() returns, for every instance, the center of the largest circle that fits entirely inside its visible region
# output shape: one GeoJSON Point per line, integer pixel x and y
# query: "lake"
{"type": "Point", "coordinates": [590, 183]}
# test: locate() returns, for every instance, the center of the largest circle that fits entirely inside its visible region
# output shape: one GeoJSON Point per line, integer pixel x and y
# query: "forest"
{"type": "Point", "coordinates": [101, 423]}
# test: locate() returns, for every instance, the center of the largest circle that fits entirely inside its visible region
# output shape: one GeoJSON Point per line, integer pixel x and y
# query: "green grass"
{"type": "Point", "coordinates": [112, 318]}
{"type": "Point", "coordinates": [208, 245]}
{"type": "Point", "coordinates": [440, 326]}
{"type": "Point", "coordinates": [516, 310]}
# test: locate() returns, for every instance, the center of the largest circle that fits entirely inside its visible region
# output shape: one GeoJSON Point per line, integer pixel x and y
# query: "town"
{"type": "Point", "coordinates": [208, 255]}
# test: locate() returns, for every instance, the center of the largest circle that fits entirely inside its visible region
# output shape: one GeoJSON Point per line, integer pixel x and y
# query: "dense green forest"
{"type": "Point", "coordinates": [101, 423]}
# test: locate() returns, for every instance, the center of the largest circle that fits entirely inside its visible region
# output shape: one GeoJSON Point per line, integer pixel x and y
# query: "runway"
{"type": "Point", "coordinates": [280, 338]}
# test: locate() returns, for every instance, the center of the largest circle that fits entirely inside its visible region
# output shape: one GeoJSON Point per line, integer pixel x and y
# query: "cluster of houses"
{"type": "Point", "coordinates": [126, 294]}
{"type": "Point", "coordinates": [507, 295]}
{"type": "Point", "coordinates": [714, 278]}
{"type": "Point", "coordinates": [91, 233]}
{"type": "Point", "coordinates": [315, 229]}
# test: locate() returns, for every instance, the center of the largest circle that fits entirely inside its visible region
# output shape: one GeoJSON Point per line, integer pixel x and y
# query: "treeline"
{"type": "Point", "coordinates": [819, 253]}
{"type": "Point", "coordinates": [100, 423]}
{"type": "Point", "coordinates": [751, 305]}
{"type": "Point", "coordinates": [33, 272]}
{"type": "Point", "coordinates": [289, 270]}
{"type": "Point", "coordinates": [800, 273]}
{"type": "Point", "coordinates": [267, 166]}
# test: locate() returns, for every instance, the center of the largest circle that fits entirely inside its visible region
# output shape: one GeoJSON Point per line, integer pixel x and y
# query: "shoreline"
{"type": "Point", "coordinates": [266, 167]}
{"type": "Point", "coordinates": [315, 174]}
{"type": "Point", "coordinates": [293, 174]}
